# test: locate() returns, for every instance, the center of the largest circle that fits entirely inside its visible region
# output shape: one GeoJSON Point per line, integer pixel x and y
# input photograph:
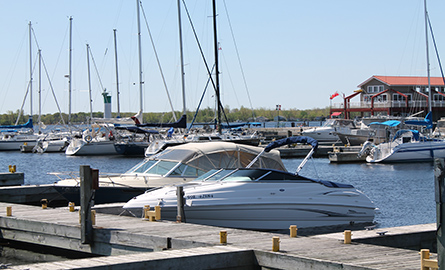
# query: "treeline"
{"type": "Point", "coordinates": [204, 115]}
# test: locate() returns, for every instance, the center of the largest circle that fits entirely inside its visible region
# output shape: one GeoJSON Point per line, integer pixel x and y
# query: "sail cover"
{"type": "Point", "coordinates": [181, 123]}
{"type": "Point", "coordinates": [291, 140]}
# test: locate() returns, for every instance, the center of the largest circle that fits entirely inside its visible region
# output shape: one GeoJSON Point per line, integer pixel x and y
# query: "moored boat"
{"type": "Point", "coordinates": [261, 199]}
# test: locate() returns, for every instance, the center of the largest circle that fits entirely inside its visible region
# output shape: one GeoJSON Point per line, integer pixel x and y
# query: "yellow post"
{"type": "Point", "coordinates": [223, 237]}
{"type": "Point", "coordinates": [12, 168]}
{"type": "Point", "coordinates": [44, 203]}
{"type": "Point", "coordinates": [293, 230]}
{"type": "Point", "coordinates": [8, 211]}
{"type": "Point", "coordinates": [158, 212]}
{"type": "Point", "coordinates": [275, 243]}
{"type": "Point", "coordinates": [146, 209]}
{"type": "Point", "coordinates": [347, 234]}
{"type": "Point", "coordinates": [71, 206]}
{"type": "Point", "coordinates": [93, 217]}
{"type": "Point", "coordinates": [424, 254]}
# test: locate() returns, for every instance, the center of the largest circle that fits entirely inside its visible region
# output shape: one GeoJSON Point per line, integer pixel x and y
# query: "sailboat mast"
{"type": "Point", "coordinates": [40, 91]}
{"type": "Point", "coordinates": [430, 107]}
{"type": "Point", "coordinates": [117, 74]}
{"type": "Point", "coordinates": [217, 90]}
{"type": "Point", "coordinates": [30, 68]}
{"type": "Point", "coordinates": [89, 82]}
{"type": "Point", "coordinates": [182, 59]}
{"type": "Point", "coordinates": [69, 71]}
{"type": "Point", "coordinates": [140, 59]}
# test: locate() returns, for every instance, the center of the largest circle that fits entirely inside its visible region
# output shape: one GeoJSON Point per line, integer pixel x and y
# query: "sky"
{"type": "Point", "coordinates": [293, 53]}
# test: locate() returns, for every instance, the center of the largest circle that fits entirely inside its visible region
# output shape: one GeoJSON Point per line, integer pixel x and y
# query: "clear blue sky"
{"type": "Point", "coordinates": [293, 53]}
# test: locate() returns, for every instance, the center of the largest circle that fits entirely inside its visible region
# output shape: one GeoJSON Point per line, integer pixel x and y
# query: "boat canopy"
{"type": "Point", "coordinates": [210, 155]}
{"type": "Point", "coordinates": [428, 121]}
{"type": "Point", "coordinates": [415, 133]}
{"type": "Point", "coordinates": [390, 123]}
{"type": "Point", "coordinates": [292, 140]}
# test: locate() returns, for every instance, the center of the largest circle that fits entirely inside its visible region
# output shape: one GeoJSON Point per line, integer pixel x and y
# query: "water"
{"type": "Point", "coordinates": [404, 193]}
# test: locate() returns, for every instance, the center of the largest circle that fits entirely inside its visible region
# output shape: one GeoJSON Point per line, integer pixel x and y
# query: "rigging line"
{"type": "Point", "coordinates": [52, 90]}
{"type": "Point", "coordinates": [205, 62]}
{"type": "Point", "coordinates": [199, 45]}
{"type": "Point", "coordinates": [230, 79]}
{"type": "Point", "coordinates": [239, 59]}
{"type": "Point", "coordinates": [97, 72]}
{"type": "Point", "coordinates": [27, 92]}
{"type": "Point", "coordinates": [435, 47]}
{"type": "Point", "coordinates": [159, 63]}
{"type": "Point", "coordinates": [200, 102]}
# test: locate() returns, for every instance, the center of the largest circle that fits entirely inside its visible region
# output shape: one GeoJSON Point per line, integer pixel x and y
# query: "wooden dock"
{"type": "Point", "coordinates": [128, 242]}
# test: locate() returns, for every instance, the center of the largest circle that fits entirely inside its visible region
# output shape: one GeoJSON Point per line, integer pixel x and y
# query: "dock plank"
{"type": "Point", "coordinates": [117, 235]}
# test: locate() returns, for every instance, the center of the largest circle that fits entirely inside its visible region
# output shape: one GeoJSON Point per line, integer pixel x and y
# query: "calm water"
{"type": "Point", "coordinates": [404, 193]}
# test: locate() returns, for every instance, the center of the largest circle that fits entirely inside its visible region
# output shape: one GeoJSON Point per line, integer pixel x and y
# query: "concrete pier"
{"type": "Point", "coordinates": [129, 242]}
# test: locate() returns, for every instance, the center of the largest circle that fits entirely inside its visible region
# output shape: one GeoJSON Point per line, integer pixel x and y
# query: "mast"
{"type": "Point", "coordinates": [30, 68]}
{"type": "Point", "coordinates": [69, 72]}
{"type": "Point", "coordinates": [40, 91]}
{"type": "Point", "coordinates": [217, 89]}
{"type": "Point", "coordinates": [430, 107]}
{"type": "Point", "coordinates": [140, 60]}
{"type": "Point", "coordinates": [89, 82]}
{"type": "Point", "coordinates": [182, 59]}
{"type": "Point", "coordinates": [117, 74]}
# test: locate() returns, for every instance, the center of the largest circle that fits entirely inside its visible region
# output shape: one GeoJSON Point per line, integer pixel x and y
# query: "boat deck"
{"type": "Point", "coordinates": [129, 242]}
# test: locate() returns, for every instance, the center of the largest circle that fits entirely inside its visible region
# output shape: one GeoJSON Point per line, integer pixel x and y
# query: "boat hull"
{"type": "Point", "coordinates": [261, 206]}
{"type": "Point", "coordinates": [409, 152]}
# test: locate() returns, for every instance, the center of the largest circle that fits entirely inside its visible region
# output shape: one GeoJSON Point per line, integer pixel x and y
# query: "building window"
{"type": "Point", "coordinates": [375, 88]}
{"type": "Point", "coordinates": [381, 98]}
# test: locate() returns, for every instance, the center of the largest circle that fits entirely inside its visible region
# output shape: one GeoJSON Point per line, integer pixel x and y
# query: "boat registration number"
{"type": "Point", "coordinates": [202, 196]}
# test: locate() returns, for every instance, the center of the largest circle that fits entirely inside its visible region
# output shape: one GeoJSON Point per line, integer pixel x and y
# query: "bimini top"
{"type": "Point", "coordinates": [210, 155]}
{"type": "Point", "coordinates": [292, 140]}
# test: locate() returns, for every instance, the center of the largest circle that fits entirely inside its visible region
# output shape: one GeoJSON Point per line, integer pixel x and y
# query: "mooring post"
{"type": "Point", "coordinates": [439, 183]}
{"type": "Point", "coordinates": [86, 191]}
{"type": "Point", "coordinates": [180, 208]}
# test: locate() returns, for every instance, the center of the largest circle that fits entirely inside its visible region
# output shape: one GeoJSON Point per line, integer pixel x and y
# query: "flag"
{"type": "Point", "coordinates": [334, 95]}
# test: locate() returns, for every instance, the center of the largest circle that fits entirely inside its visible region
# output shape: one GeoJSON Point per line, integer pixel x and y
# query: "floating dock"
{"type": "Point", "coordinates": [123, 242]}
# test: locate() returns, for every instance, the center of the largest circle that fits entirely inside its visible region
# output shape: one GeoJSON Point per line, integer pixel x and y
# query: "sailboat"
{"type": "Point", "coordinates": [12, 137]}
{"type": "Point", "coordinates": [409, 145]}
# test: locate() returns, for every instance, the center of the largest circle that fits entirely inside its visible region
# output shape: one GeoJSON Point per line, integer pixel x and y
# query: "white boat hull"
{"type": "Point", "coordinates": [83, 148]}
{"type": "Point", "coordinates": [408, 152]}
{"type": "Point", "coordinates": [261, 206]}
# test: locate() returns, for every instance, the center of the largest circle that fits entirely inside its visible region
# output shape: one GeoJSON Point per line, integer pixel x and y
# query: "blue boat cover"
{"type": "Point", "coordinates": [291, 140]}
{"type": "Point", "coordinates": [428, 121]}
{"type": "Point", "coordinates": [138, 130]}
{"type": "Point", "coordinates": [399, 133]}
{"type": "Point", "coordinates": [390, 123]}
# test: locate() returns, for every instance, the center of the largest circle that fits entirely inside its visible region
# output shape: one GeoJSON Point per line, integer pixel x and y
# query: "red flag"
{"type": "Point", "coordinates": [334, 95]}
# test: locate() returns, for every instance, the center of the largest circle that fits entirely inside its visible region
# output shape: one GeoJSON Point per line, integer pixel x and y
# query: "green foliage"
{"type": "Point", "coordinates": [205, 115]}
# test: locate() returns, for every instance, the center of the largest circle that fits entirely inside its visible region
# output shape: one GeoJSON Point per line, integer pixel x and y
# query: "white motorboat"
{"type": "Point", "coordinates": [178, 164]}
{"type": "Point", "coordinates": [261, 199]}
{"type": "Point", "coordinates": [406, 146]}
{"type": "Point", "coordinates": [328, 131]}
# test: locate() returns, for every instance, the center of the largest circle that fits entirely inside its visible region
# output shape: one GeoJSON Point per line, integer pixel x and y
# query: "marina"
{"type": "Point", "coordinates": [125, 242]}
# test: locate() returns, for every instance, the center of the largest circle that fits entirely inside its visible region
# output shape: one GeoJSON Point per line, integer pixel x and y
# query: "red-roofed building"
{"type": "Point", "coordinates": [395, 95]}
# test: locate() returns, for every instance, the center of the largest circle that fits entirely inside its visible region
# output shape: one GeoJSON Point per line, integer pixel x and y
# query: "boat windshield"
{"type": "Point", "coordinates": [142, 166]}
